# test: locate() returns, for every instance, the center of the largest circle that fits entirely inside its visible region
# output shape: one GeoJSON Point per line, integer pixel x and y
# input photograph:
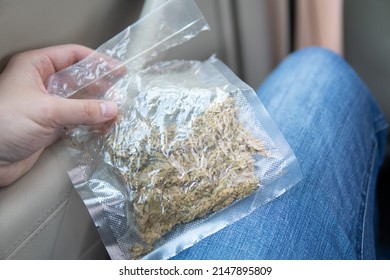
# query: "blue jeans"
{"type": "Point", "coordinates": [337, 132]}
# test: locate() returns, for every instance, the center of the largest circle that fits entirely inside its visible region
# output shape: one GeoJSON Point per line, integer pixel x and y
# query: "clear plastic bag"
{"type": "Point", "coordinates": [193, 150]}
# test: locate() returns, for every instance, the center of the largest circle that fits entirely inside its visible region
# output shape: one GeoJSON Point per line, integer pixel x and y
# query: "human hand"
{"type": "Point", "coordinates": [29, 117]}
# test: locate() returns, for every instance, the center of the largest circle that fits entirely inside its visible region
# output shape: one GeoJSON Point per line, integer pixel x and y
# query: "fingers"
{"type": "Point", "coordinates": [81, 112]}
{"type": "Point", "coordinates": [52, 59]}
{"type": "Point", "coordinates": [47, 61]}
{"type": "Point", "coordinates": [88, 78]}
{"type": "Point", "coordinates": [99, 88]}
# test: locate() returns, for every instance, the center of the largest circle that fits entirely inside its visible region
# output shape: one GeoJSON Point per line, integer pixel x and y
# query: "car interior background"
{"type": "Point", "coordinates": [42, 216]}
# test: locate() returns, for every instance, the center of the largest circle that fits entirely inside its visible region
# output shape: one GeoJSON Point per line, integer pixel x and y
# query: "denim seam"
{"type": "Point", "coordinates": [367, 195]}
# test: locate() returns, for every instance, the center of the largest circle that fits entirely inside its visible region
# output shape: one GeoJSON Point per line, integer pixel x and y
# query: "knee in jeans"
{"type": "Point", "coordinates": [324, 62]}
{"type": "Point", "coordinates": [318, 52]}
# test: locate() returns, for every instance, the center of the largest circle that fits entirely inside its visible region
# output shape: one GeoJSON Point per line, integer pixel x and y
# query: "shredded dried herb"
{"type": "Point", "coordinates": [175, 182]}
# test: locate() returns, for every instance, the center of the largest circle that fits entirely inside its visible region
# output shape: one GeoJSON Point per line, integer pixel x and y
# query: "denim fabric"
{"type": "Point", "coordinates": [337, 132]}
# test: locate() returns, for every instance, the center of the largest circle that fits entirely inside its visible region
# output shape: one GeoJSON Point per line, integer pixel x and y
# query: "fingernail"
{"type": "Point", "coordinates": [109, 109]}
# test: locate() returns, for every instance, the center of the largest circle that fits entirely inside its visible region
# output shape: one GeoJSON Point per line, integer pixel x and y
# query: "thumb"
{"type": "Point", "coordinates": [82, 111]}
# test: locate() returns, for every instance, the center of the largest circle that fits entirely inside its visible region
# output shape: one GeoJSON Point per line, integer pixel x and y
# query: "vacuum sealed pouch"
{"type": "Point", "coordinates": [192, 150]}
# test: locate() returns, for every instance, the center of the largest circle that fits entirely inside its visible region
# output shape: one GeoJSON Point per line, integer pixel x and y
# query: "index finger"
{"type": "Point", "coordinates": [93, 75]}
{"type": "Point", "coordinates": [49, 60]}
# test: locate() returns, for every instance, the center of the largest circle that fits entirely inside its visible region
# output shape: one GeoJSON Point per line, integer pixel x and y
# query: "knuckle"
{"type": "Point", "coordinates": [22, 57]}
{"type": "Point", "coordinates": [88, 112]}
{"type": "Point", "coordinates": [47, 108]}
{"type": "Point", "coordinates": [18, 58]}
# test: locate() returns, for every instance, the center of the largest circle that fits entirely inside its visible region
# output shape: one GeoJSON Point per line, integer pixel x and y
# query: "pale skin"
{"type": "Point", "coordinates": [30, 118]}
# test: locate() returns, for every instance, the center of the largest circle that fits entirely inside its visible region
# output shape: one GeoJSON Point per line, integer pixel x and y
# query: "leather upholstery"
{"type": "Point", "coordinates": [42, 217]}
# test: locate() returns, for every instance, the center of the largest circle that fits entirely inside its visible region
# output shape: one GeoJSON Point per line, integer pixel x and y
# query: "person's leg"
{"type": "Point", "coordinates": [337, 132]}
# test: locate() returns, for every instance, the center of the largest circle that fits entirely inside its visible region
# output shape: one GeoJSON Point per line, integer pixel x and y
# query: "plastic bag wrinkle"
{"type": "Point", "coordinates": [192, 151]}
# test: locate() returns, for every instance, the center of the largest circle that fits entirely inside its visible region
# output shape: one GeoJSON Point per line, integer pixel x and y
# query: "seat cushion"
{"type": "Point", "coordinates": [42, 216]}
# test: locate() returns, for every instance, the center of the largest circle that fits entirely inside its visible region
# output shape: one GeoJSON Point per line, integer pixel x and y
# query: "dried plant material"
{"type": "Point", "coordinates": [174, 182]}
